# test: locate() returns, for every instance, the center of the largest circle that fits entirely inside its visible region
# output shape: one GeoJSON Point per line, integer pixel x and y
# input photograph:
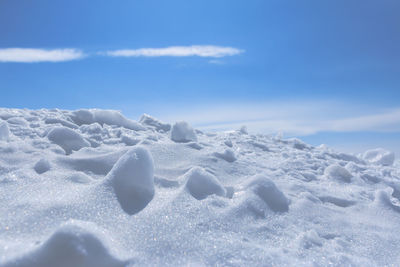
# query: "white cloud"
{"type": "Point", "coordinates": [291, 118]}
{"type": "Point", "coordinates": [178, 51]}
{"type": "Point", "coordinates": [31, 55]}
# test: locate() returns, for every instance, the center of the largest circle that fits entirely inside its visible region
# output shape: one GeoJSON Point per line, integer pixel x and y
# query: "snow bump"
{"type": "Point", "coordinates": [110, 117]}
{"type": "Point", "coordinates": [73, 244]}
{"type": "Point", "coordinates": [4, 131]}
{"type": "Point", "coordinates": [266, 189]}
{"type": "Point", "coordinates": [42, 166]}
{"type": "Point", "coordinates": [379, 156]}
{"type": "Point", "coordinates": [228, 155]}
{"type": "Point", "coordinates": [338, 173]}
{"type": "Point", "coordinates": [158, 125]}
{"type": "Point", "coordinates": [68, 139]}
{"type": "Point", "coordinates": [182, 132]}
{"type": "Point", "coordinates": [132, 178]}
{"type": "Point", "coordinates": [201, 184]}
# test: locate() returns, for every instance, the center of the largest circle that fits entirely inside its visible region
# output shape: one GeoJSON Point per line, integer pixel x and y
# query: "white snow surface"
{"type": "Point", "coordinates": [182, 132]}
{"type": "Point", "coordinates": [93, 188]}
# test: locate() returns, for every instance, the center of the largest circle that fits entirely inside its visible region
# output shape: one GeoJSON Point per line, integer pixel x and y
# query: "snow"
{"type": "Point", "coordinates": [68, 139]}
{"type": "Point", "coordinates": [43, 165]}
{"type": "Point", "coordinates": [132, 178]}
{"type": "Point", "coordinates": [201, 184]}
{"type": "Point", "coordinates": [94, 188]}
{"type": "Point", "coordinates": [110, 117]}
{"type": "Point", "coordinates": [72, 244]}
{"type": "Point", "coordinates": [379, 156]}
{"type": "Point", "coordinates": [4, 131]}
{"type": "Point", "coordinates": [268, 192]}
{"type": "Point", "coordinates": [183, 132]}
{"type": "Point", "coordinates": [338, 173]}
{"type": "Point", "coordinates": [158, 125]}
{"type": "Point", "coordinates": [227, 155]}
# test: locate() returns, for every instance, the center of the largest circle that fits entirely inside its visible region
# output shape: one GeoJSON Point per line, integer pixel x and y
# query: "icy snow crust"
{"type": "Point", "coordinates": [93, 188]}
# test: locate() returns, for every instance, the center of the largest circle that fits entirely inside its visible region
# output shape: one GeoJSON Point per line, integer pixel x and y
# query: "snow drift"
{"type": "Point", "coordinates": [93, 188]}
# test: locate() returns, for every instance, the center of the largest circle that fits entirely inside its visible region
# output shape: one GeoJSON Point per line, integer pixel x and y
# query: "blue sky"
{"type": "Point", "coordinates": [327, 71]}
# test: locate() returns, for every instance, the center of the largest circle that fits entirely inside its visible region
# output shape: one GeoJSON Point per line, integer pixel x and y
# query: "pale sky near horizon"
{"type": "Point", "coordinates": [326, 71]}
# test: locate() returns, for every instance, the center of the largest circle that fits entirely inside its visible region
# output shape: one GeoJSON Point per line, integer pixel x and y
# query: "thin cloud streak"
{"type": "Point", "coordinates": [178, 51]}
{"type": "Point", "coordinates": [31, 55]}
{"type": "Point", "coordinates": [300, 119]}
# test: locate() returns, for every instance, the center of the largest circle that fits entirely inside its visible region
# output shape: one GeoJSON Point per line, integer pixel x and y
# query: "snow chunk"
{"type": "Point", "coordinates": [113, 117]}
{"type": "Point", "coordinates": [82, 116]}
{"type": "Point", "coordinates": [129, 141]}
{"type": "Point", "coordinates": [228, 155]}
{"type": "Point", "coordinates": [268, 192]}
{"type": "Point", "coordinates": [110, 117]}
{"type": "Point", "coordinates": [338, 172]}
{"type": "Point", "coordinates": [158, 125]}
{"type": "Point", "coordinates": [201, 184]}
{"type": "Point", "coordinates": [73, 244]}
{"type": "Point", "coordinates": [42, 166]}
{"type": "Point", "coordinates": [17, 121]}
{"type": "Point", "coordinates": [379, 156]}
{"type": "Point", "coordinates": [68, 139]}
{"type": "Point", "coordinates": [228, 143]}
{"type": "Point", "coordinates": [182, 132]}
{"type": "Point", "coordinates": [60, 121]}
{"type": "Point", "coordinates": [4, 131]}
{"type": "Point", "coordinates": [132, 178]}
{"type": "Point", "coordinates": [243, 130]}
{"type": "Point", "coordinates": [298, 144]}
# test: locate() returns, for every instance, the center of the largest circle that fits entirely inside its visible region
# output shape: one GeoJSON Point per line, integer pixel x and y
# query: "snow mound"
{"type": "Point", "coordinates": [266, 189]}
{"type": "Point", "coordinates": [298, 144]}
{"type": "Point", "coordinates": [68, 139]}
{"type": "Point", "coordinates": [379, 156]}
{"type": "Point", "coordinates": [73, 244]}
{"type": "Point", "coordinates": [132, 178]}
{"type": "Point", "coordinates": [4, 131]}
{"type": "Point", "coordinates": [129, 141]}
{"type": "Point", "coordinates": [97, 164]}
{"type": "Point", "coordinates": [338, 173]}
{"type": "Point", "coordinates": [42, 166]}
{"type": "Point", "coordinates": [243, 130]}
{"type": "Point", "coordinates": [227, 155]}
{"type": "Point", "coordinates": [182, 132]}
{"type": "Point", "coordinates": [158, 125]}
{"type": "Point", "coordinates": [228, 143]}
{"type": "Point", "coordinates": [17, 121]}
{"type": "Point", "coordinates": [61, 121]}
{"type": "Point", "coordinates": [110, 117]}
{"type": "Point", "coordinates": [201, 184]}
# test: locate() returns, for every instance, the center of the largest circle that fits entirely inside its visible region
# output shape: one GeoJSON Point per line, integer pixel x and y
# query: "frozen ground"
{"type": "Point", "coordinates": [93, 188]}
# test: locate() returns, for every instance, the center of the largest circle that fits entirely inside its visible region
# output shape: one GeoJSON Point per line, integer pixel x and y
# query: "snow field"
{"type": "Point", "coordinates": [93, 188]}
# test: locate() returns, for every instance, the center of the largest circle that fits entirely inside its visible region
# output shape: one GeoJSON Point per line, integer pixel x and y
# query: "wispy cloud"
{"type": "Point", "coordinates": [178, 51]}
{"type": "Point", "coordinates": [291, 118]}
{"type": "Point", "coordinates": [31, 55]}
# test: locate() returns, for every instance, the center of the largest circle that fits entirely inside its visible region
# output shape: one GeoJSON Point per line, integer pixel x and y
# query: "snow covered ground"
{"type": "Point", "coordinates": [93, 188]}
